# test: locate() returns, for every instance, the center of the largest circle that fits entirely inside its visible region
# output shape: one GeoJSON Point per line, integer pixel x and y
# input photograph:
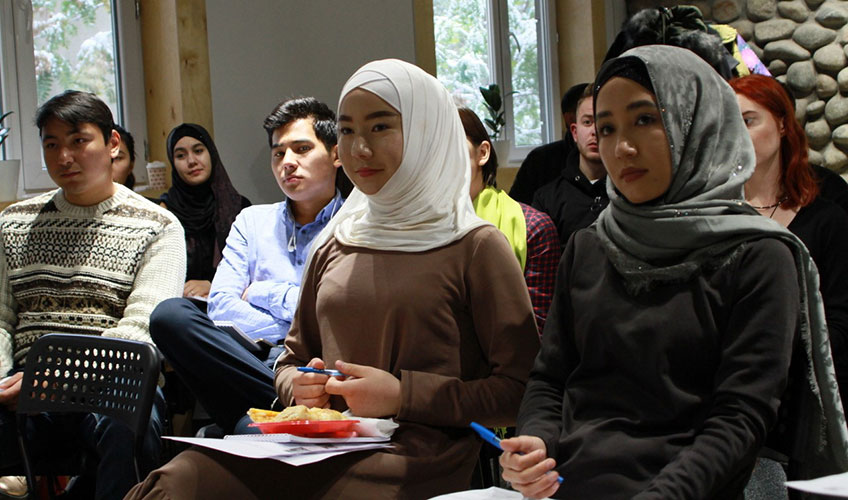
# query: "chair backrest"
{"type": "Point", "coordinates": [91, 374]}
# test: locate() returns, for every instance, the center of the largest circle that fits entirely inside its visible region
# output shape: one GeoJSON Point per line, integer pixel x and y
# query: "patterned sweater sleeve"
{"type": "Point", "coordinates": [8, 317]}
{"type": "Point", "coordinates": [160, 276]}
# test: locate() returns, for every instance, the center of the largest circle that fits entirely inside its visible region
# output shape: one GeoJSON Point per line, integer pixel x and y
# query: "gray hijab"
{"type": "Point", "coordinates": [702, 221]}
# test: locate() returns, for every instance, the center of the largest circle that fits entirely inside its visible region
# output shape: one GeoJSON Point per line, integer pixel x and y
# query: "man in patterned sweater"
{"type": "Point", "coordinates": [93, 258]}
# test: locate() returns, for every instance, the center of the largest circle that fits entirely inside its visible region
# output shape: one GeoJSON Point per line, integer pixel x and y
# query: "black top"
{"type": "Point", "coordinates": [201, 262]}
{"type": "Point", "coordinates": [207, 210]}
{"type": "Point", "coordinates": [832, 186]}
{"type": "Point", "coordinates": [823, 228]}
{"type": "Point", "coordinates": [571, 200]}
{"type": "Point", "coordinates": [667, 393]}
{"type": "Point", "coordinates": [541, 166]}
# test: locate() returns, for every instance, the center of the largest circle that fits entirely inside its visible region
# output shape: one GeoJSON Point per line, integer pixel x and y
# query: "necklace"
{"type": "Point", "coordinates": [773, 206]}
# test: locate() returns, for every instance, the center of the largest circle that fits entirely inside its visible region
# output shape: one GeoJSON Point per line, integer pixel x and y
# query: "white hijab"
{"type": "Point", "coordinates": [425, 204]}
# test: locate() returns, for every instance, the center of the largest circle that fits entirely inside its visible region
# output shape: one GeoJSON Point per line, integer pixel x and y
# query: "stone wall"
{"type": "Point", "coordinates": [803, 43]}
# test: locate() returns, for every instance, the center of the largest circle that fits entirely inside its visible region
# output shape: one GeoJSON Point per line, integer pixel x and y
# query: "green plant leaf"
{"type": "Point", "coordinates": [4, 131]}
{"type": "Point", "coordinates": [492, 96]}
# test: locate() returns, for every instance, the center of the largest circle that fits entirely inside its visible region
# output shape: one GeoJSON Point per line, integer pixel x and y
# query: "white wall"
{"type": "Point", "coordinates": [262, 51]}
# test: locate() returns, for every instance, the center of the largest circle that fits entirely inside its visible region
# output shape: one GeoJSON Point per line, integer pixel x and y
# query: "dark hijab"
{"type": "Point", "coordinates": [206, 211]}
{"type": "Point", "coordinates": [703, 219]}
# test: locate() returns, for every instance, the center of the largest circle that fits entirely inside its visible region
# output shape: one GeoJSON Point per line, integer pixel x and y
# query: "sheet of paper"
{"type": "Point", "coordinates": [492, 493]}
{"type": "Point", "coordinates": [290, 438]}
{"type": "Point", "coordinates": [835, 485]}
{"type": "Point", "coordinates": [290, 453]}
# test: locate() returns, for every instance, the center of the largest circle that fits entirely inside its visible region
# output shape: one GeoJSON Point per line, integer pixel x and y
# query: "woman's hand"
{"type": "Point", "coordinates": [196, 288]}
{"type": "Point", "coordinates": [308, 388]}
{"type": "Point", "coordinates": [11, 389]}
{"type": "Point", "coordinates": [368, 391]}
{"type": "Point", "coordinates": [526, 468]}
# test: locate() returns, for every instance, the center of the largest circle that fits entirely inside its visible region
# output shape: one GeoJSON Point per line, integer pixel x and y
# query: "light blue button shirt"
{"type": "Point", "coordinates": [266, 251]}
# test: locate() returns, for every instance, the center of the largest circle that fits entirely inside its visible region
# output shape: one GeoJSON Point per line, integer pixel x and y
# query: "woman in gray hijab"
{"type": "Point", "coordinates": [668, 345]}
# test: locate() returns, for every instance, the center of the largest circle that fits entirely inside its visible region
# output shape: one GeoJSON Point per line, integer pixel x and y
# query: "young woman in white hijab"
{"type": "Point", "coordinates": [417, 300]}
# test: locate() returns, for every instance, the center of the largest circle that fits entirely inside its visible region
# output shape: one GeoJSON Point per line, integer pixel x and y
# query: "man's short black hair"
{"type": "Point", "coordinates": [75, 107]}
{"type": "Point", "coordinates": [127, 139]}
{"type": "Point", "coordinates": [571, 98]}
{"type": "Point", "coordinates": [588, 93]}
{"type": "Point", "coordinates": [288, 111]}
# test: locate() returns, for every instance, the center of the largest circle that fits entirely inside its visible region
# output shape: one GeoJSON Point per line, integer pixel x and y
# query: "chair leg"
{"type": "Point", "coordinates": [136, 453]}
{"type": "Point", "coordinates": [25, 456]}
{"type": "Point", "coordinates": [138, 477]}
{"type": "Point", "coordinates": [51, 486]}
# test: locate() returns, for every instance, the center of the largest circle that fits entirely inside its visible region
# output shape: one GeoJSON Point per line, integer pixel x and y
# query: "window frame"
{"type": "Point", "coordinates": [16, 51]}
{"type": "Point", "coordinates": [501, 68]}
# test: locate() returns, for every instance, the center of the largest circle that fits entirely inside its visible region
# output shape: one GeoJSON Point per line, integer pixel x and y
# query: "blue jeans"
{"type": "Point", "coordinates": [103, 445]}
{"type": "Point", "coordinates": [224, 377]}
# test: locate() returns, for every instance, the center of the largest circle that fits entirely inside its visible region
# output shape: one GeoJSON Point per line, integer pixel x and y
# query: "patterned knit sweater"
{"type": "Point", "coordinates": [97, 270]}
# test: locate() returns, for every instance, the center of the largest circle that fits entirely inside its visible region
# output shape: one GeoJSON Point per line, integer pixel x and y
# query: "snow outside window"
{"type": "Point", "coordinates": [508, 42]}
{"type": "Point", "coordinates": [49, 46]}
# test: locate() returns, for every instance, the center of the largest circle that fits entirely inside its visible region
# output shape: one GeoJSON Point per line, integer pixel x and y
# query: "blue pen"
{"type": "Point", "coordinates": [493, 440]}
{"type": "Point", "coordinates": [332, 373]}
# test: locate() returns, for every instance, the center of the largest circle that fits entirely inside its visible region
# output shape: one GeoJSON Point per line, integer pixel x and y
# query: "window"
{"type": "Point", "coordinates": [52, 45]}
{"type": "Point", "coordinates": [508, 42]}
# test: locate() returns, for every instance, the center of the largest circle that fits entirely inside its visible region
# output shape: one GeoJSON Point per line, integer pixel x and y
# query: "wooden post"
{"type": "Point", "coordinates": [176, 69]}
{"type": "Point", "coordinates": [582, 40]}
{"type": "Point", "coordinates": [425, 38]}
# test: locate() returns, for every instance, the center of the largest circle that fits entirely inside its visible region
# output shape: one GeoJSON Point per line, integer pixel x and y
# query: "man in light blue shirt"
{"type": "Point", "coordinates": [257, 283]}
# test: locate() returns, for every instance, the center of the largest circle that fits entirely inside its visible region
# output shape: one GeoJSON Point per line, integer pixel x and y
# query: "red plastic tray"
{"type": "Point", "coordinates": [309, 428]}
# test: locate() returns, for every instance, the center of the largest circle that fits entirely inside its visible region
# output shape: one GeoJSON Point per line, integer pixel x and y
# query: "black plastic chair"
{"type": "Point", "coordinates": [67, 373]}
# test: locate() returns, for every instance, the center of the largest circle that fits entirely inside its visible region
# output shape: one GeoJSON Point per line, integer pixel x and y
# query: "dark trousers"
{"type": "Point", "coordinates": [224, 377]}
{"type": "Point", "coordinates": [102, 446]}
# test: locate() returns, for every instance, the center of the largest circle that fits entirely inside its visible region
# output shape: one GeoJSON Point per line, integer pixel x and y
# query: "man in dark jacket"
{"type": "Point", "coordinates": [545, 163]}
{"type": "Point", "coordinates": [577, 196]}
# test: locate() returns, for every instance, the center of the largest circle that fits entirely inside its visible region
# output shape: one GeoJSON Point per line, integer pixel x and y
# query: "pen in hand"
{"type": "Point", "coordinates": [332, 373]}
{"type": "Point", "coordinates": [493, 440]}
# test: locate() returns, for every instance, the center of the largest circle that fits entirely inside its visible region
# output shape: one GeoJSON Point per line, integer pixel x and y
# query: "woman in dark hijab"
{"type": "Point", "coordinates": [204, 200]}
{"type": "Point", "coordinates": [667, 347]}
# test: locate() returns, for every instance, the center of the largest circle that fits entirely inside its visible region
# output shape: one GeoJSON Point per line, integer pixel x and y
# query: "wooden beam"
{"type": "Point", "coordinates": [582, 40]}
{"type": "Point", "coordinates": [194, 63]}
{"type": "Point", "coordinates": [175, 52]}
{"type": "Point", "coordinates": [425, 38]}
{"type": "Point", "coordinates": [163, 98]}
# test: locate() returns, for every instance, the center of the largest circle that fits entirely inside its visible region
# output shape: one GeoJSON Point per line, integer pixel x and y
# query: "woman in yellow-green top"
{"type": "Point", "coordinates": [531, 233]}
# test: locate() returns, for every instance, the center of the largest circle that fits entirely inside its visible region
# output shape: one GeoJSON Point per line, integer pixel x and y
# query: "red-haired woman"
{"type": "Point", "coordinates": [785, 187]}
